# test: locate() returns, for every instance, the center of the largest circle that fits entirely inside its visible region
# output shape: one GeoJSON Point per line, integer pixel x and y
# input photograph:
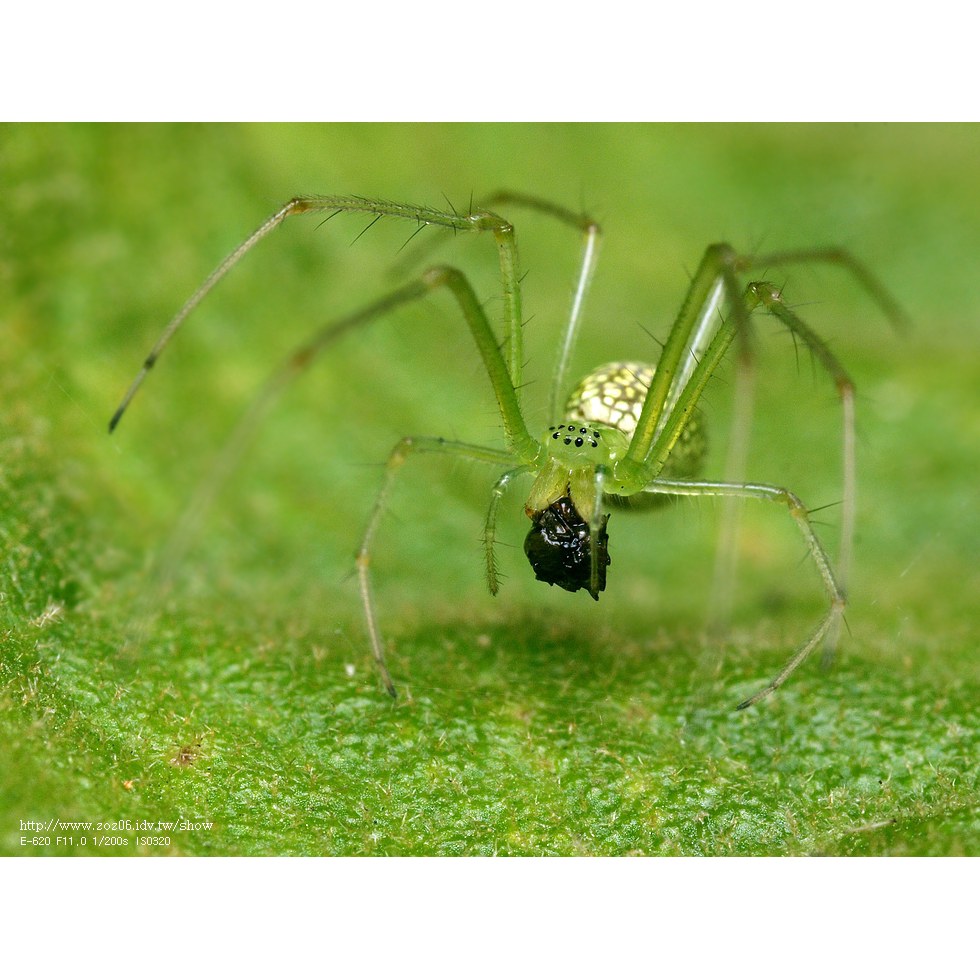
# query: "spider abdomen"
{"type": "Point", "coordinates": [613, 395]}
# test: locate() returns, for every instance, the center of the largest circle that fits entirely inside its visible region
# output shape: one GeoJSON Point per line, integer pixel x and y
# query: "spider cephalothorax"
{"type": "Point", "coordinates": [568, 545]}
{"type": "Point", "coordinates": [630, 431]}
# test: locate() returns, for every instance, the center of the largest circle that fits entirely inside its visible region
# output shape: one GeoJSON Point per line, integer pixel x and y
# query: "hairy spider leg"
{"type": "Point", "coordinates": [490, 525]}
{"type": "Point", "coordinates": [478, 220]}
{"type": "Point", "coordinates": [771, 298]}
{"type": "Point", "coordinates": [591, 235]}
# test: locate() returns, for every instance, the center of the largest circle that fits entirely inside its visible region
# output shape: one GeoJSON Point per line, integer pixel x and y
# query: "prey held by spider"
{"type": "Point", "coordinates": [629, 431]}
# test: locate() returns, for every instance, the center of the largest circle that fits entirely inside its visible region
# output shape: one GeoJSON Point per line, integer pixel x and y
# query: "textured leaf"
{"type": "Point", "coordinates": [243, 700]}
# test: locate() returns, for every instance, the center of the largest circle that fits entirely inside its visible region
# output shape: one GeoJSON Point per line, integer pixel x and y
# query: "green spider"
{"type": "Point", "coordinates": [629, 431]}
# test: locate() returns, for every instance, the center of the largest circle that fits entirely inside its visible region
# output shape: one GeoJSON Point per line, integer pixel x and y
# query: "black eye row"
{"type": "Point", "coordinates": [557, 430]}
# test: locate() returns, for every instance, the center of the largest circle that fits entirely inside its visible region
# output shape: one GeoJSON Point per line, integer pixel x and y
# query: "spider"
{"type": "Point", "coordinates": [629, 431]}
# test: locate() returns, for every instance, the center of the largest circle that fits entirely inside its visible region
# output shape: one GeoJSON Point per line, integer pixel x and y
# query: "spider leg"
{"type": "Point", "coordinates": [477, 220]}
{"type": "Point", "coordinates": [490, 526]}
{"type": "Point", "coordinates": [769, 296]}
{"type": "Point", "coordinates": [591, 233]}
{"type": "Point", "coordinates": [694, 348]}
{"type": "Point", "coordinates": [596, 525]}
{"type": "Point", "coordinates": [841, 257]}
{"type": "Point", "coordinates": [399, 455]}
{"type": "Point", "coordinates": [796, 509]}
{"type": "Point", "coordinates": [522, 446]}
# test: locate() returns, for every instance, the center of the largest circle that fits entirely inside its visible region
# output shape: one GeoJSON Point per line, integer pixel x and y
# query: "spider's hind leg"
{"type": "Point", "coordinates": [767, 295]}
{"type": "Point", "coordinates": [830, 621]}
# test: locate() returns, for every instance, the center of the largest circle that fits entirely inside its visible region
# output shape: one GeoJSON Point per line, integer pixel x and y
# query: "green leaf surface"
{"type": "Point", "coordinates": [237, 711]}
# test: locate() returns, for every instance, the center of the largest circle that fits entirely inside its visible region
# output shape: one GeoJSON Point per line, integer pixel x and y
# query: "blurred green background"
{"type": "Point", "coordinates": [537, 722]}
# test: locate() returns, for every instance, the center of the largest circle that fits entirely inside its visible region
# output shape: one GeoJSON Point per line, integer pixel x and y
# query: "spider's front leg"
{"type": "Point", "coordinates": [480, 220]}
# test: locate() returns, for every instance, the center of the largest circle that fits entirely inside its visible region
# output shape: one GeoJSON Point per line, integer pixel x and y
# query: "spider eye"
{"type": "Point", "coordinates": [558, 546]}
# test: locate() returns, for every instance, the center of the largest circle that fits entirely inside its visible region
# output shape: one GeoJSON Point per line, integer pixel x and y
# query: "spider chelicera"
{"type": "Point", "coordinates": [628, 431]}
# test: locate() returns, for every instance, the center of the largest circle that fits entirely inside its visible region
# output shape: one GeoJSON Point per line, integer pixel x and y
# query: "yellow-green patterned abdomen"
{"type": "Point", "coordinates": [613, 394]}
